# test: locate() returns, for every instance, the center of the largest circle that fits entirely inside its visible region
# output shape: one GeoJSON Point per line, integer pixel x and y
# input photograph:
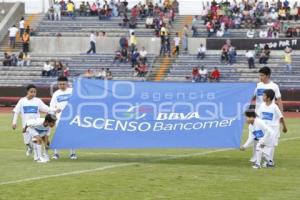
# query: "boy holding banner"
{"type": "Point", "coordinates": [270, 113]}
{"type": "Point", "coordinates": [262, 135]}
{"type": "Point", "coordinates": [60, 100]}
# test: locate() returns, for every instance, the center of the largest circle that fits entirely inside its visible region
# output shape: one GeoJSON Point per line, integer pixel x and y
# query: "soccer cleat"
{"type": "Point", "coordinates": [41, 160]}
{"type": "Point", "coordinates": [256, 166]}
{"type": "Point", "coordinates": [55, 156]}
{"type": "Point", "coordinates": [28, 151]}
{"type": "Point", "coordinates": [270, 164]}
{"type": "Point", "coordinates": [253, 160]}
{"type": "Point", "coordinates": [73, 157]}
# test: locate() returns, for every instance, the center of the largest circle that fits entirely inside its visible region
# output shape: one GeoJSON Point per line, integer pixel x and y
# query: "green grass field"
{"type": "Point", "coordinates": [174, 174]}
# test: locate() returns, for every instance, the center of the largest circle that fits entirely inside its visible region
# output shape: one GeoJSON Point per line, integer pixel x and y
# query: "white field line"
{"type": "Point", "coordinates": [120, 165]}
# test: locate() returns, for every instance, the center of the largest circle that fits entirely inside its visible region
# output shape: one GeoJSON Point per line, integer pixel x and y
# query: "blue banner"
{"type": "Point", "coordinates": [123, 114]}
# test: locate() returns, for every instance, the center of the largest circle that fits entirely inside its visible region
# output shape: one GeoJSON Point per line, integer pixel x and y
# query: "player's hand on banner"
{"type": "Point", "coordinates": [284, 129]}
{"type": "Point", "coordinates": [242, 148]}
{"type": "Point", "coordinates": [14, 126]}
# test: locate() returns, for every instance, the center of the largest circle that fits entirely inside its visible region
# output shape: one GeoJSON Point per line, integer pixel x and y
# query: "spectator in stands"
{"type": "Point", "coordinates": [71, 9]}
{"type": "Point", "coordinates": [57, 11]}
{"type": "Point", "coordinates": [143, 55]}
{"type": "Point", "coordinates": [250, 33]}
{"type": "Point", "coordinates": [250, 57]}
{"type": "Point", "coordinates": [109, 75]}
{"type": "Point", "coordinates": [288, 58]}
{"type": "Point", "coordinates": [124, 55]}
{"type": "Point", "coordinates": [20, 62]}
{"type": "Point", "coordinates": [132, 42]}
{"type": "Point", "coordinates": [92, 43]}
{"type": "Point", "coordinates": [22, 26]}
{"type": "Point", "coordinates": [194, 26]}
{"type": "Point", "coordinates": [203, 74]}
{"type": "Point", "coordinates": [141, 70]}
{"type": "Point", "coordinates": [294, 12]}
{"type": "Point", "coordinates": [224, 54]}
{"type": "Point", "coordinates": [47, 69]}
{"type": "Point", "coordinates": [195, 75]}
{"type": "Point", "coordinates": [232, 55]}
{"type": "Point", "coordinates": [26, 59]}
{"type": "Point", "coordinates": [201, 52]}
{"type": "Point", "coordinates": [132, 22]}
{"type": "Point", "coordinates": [14, 60]}
{"type": "Point", "coordinates": [12, 35]}
{"type": "Point", "coordinates": [123, 42]}
{"type": "Point", "coordinates": [265, 55]}
{"type": "Point", "coordinates": [263, 33]}
{"type": "Point", "coordinates": [89, 74]}
{"type": "Point", "coordinates": [51, 13]}
{"type": "Point", "coordinates": [66, 70]}
{"type": "Point", "coordinates": [94, 9]}
{"type": "Point", "coordinates": [25, 41]}
{"type": "Point", "coordinates": [185, 37]}
{"type": "Point", "coordinates": [215, 75]}
{"type": "Point", "coordinates": [82, 9]}
{"type": "Point", "coordinates": [220, 33]}
{"type": "Point", "coordinates": [117, 56]}
{"type": "Point", "coordinates": [176, 40]}
{"type": "Point", "coordinates": [6, 60]}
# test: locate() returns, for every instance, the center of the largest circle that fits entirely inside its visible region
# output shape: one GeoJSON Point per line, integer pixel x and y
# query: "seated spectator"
{"type": "Point", "coordinates": [109, 75]}
{"type": "Point", "coordinates": [71, 9]}
{"type": "Point", "coordinates": [20, 62]}
{"type": "Point", "coordinates": [215, 75]}
{"type": "Point", "coordinates": [51, 13]}
{"type": "Point", "coordinates": [7, 60]}
{"type": "Point", "coordinates": [265, 55]}
{"type": "Point", "coordinates": [82, 9]}
{"type": "Point", "coordinates": [149, 22]}
{"type": "Point", "coordinates": [14, 60]}
{"type": "Point", "coordinates": [134, 58]}
{"type": "Point", "coordinates": [250, 33]}
{"type": "Point", "coordinates": [124, 55]}
{"type": "Point", "coordinates": [143, 55]}
{"type": "Point", "coordinates": [26, 59]}
{"type": "Point", "coordinates": [141, 69]}
{"type": "Point", "coordinates": [89, 74]}
{"type": "Point", "coordinates": [195, 75]}
{"type": "Point", "coordinates": [203, 74]}
{"type": "Point", "coordinates": [232, 55]}
{"type": "Point", "coordinates": [66, 70]}
{"type": "Point", "coordinates": [201, 52]}
{"type": "Point", "coordinates": [124, 21]}
{"type": "Point", "coordinates": [220, 33]}
{"type": "Point", "coordinates": [117, 56]}
{"type": "Point", "coordinates": [47, 69]}
{"type": "Point", "coordinates": [132, 22]}
{"type": "Point", "coordinates": [94, 9]}
{"type": "Point", "coordinates": [263, 33]}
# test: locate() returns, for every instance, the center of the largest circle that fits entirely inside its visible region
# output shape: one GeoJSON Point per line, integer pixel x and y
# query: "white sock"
{"type": "Point", "coordinates": [272, 153]}
{"type": "Point", "coordinates": [258, 156]}
{"type": "Point", "coordinates": [55, 151]}
{"type": "Point", "coordinates": [72, 151]}
{"type": "Point", "coordinates": [39, 150]}
{"type": "Point", "coordinates": [35, 155]}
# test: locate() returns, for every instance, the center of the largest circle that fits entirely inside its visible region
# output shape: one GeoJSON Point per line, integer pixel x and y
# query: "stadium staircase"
{"type": "Point", "coordinates": [162, 64]}
{"type": "Point", "coordinates": [32, 20]}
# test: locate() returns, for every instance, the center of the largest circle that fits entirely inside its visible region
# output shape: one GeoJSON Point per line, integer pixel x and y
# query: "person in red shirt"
{"type": "Point", "coordinates": [215, 75]}
{"type": "Point", "coordinates": [195, 75]}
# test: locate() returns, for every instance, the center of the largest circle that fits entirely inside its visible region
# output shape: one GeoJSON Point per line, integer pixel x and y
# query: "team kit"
{"type": "Point", "coordinates": [265, 121]}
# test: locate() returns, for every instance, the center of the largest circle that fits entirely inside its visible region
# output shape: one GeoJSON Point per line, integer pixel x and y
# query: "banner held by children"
{"type": "Point", "coordinates": [123, 114]}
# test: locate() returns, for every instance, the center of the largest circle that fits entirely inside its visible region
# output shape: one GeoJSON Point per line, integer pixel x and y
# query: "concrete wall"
{"type": "Point", "coordinates": [194, 44]}
{"type": "Point", "coordinates": [14, 14]}
{"type": "Point", "coordinates": [77, 45]}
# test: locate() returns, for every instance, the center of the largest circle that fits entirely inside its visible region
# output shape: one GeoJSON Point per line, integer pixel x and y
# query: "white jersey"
{"type": "Point", "coordinates": [29, 109]}
{"type": "Point", "coordinates": [60, 99]}
{"type": "Point", "coordinates": [270, 114]}
{"type": "Point", "coordinates": [259, 91]}
{"type": "Point", "coordinates": [259, 131]}
{"type": "Point", "coordinates": [38, 125]}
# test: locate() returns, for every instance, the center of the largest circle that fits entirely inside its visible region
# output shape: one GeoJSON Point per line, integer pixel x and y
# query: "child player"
{"type": "Point", "coordinates": [29, 107]}
{"type": "Point", "coordinates": [260, 132]}
{"type": "Point", "coordinates": [270, 113]}
{"type": "Point", "coordinates": [60, 100]}
{"type": "Point", "coordinates": [39, 130]}
{"type": "Point", "coordinates": [265, 83]}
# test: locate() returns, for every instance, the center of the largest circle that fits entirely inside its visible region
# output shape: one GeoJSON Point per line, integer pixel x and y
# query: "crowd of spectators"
{"type": "Point", "coordinates": [271, 18]}
{"type": "Point", "coordinates": [103, 74]}
{"type": "Point", "coordinates": [203, 75]}
{"type": "Point", "coordinates": [55, 68]}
